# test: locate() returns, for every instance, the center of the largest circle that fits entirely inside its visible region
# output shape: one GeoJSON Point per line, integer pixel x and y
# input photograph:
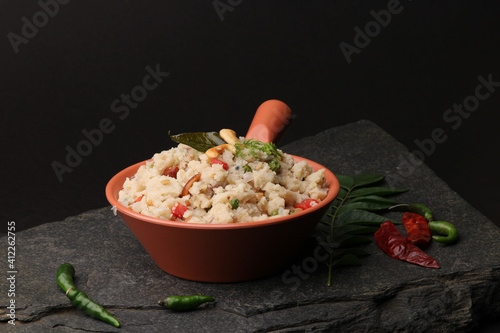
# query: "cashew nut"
{"type": "Point", "coordinates": [216, 151]}
{"type": "Point", "coordinates": [229, 136]}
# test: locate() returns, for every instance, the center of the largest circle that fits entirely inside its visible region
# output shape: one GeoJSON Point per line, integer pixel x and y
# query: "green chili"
{"type": "Point", "coordinates": [65, 274]}
{"type": "Point", "coordinates": [247, 168]}
{"type": "Point", "coordinates": [414, 208]}
{"type": "Point", "coordinates": [235, 203]}
{"type": "Point", "coordinates": [184, 303]}
{"type": "Point", "coordinates": [444, 228]}
{"type": "Point", "coordinates": [422, 211]}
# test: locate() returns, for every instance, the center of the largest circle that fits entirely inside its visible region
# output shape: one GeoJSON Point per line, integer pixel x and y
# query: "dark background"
{"type": "Point", "coordinates": [65, 77]}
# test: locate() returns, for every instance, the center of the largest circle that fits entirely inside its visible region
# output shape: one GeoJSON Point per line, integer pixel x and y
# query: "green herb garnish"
{"type": "Point", "coordinates": [268, 148]}
{"type": "Point", "coordinates": [274, 165]}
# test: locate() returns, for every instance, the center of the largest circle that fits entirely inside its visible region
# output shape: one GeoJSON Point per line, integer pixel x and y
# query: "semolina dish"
{"type": "Point", "coordinates": [236, 181]}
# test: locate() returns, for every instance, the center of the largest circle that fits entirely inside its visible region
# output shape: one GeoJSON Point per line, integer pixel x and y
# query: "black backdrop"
{"type": "Point", "coordinates": [132, 70]}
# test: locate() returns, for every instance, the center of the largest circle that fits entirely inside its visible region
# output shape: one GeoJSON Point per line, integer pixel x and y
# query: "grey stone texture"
{"type": "Point", "coordinates": [381, 295]}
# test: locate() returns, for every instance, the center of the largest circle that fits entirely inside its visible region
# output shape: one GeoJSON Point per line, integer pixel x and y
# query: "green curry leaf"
{"type": "Point", "coordinates": [370, 206]}
{"type": "Point", "coordinates": [339, 253]}
{"type": "Point", "coordinates": [361, 217]}
{"type": "Point", "coordinates": [351, 240]}
{"type": "Point", "coordinates": [346, 182]}
{"type": "Point", "coordinates": [375, 191]}
{"type": "Point", "coordinates": [351, 215]}
{"type": "Point", "coordinates": [354, 229]}
{"type": "Point", "coordinates": [367, 179]}
{"type": "Point", "coordinates": [375, 199]}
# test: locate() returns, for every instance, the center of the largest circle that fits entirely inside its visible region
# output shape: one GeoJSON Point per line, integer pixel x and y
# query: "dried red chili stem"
{"type": "Point", "coordinates": [417, 228]}
{"type": "Point", "coordinates": [392, 242]}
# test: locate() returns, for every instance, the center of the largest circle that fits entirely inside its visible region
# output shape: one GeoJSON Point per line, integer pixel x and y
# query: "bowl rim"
{"type": "Point", "coordinates": [119, 178]}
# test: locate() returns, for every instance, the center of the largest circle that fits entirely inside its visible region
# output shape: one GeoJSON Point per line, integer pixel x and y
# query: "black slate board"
{"type": "Point", "coordinates": [383, 294]}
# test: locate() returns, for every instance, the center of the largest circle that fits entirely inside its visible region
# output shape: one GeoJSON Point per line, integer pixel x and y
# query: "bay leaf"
{"type": "Point", "coordinates": [201, 141]}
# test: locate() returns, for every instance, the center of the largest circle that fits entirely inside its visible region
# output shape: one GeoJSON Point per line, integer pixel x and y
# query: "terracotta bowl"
{"type": "Point", "coordinates": [222, 252]}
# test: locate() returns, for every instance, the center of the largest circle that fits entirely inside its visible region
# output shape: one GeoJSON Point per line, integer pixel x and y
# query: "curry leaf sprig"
{"type": "Point", "coordinates": [351, 215]}
{"type": "Point", "coordinates": [250, 147]}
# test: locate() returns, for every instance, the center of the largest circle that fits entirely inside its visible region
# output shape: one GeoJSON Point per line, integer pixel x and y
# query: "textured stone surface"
{"type": "Point", "coordinates": [381, 295]}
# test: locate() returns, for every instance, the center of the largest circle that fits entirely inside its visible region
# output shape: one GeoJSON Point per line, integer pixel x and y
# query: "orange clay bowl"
{"type": "Point", "coordinates": [226, 252]}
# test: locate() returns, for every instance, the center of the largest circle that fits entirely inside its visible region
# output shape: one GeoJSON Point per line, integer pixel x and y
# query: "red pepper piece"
{"type": "Point", "coordinates": [417, 229]}
{"type": "Point", "coordinates": [178, 210]}
{"type": "Point", "coordinates": [216, 161]}
{"type": "Point", "coordinates": [306, 203]}
{"type": "Point", "coordinates": [390, 240]}
{"type": "Point", "coordinates": [171, 172]}
{"type": "Point", "coordinates": [138, 199]}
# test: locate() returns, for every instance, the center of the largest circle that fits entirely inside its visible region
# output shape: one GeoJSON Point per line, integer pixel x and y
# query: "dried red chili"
{"type": "Point", "coordinates": [392, 242]}
{"type": "Point", "coordinates": [417, 228]}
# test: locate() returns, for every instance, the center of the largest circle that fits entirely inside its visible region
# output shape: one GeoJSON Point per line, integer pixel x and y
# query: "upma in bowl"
{"type": "Point", "coordinates": [241, 181]}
